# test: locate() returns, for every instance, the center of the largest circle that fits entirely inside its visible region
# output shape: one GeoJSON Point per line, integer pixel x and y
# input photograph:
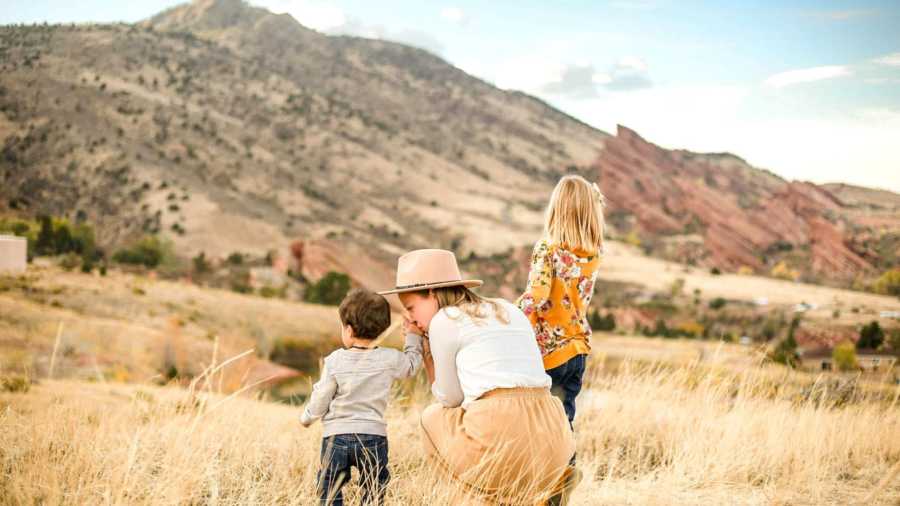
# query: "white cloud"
{"type": "Point", "coordinates": [632, 63]}
{"type": "Point", "coordinates": [528, 73]}
{"type": "Point", "coordinates": [454, 15]}
{"type": "Point", "coordinates": [843, 15]}
{"type": "Point", "coordinates": [546, 72]}
{"type": "Point", "coordinates": [640, 5]}
{"type": "Point", "coordinates": [422, 40]}
{"type": "Point", "coordinates": [858, 148]}
{"type": "Point", "coordinates": [892, 60]}
{"type": "Point", "coordinates": [327, 18]}
{"type": "Point", "coordinates": [793, 77]}
{"type": "Point", "coordinates": [882, 80]}
{"type": "Point", "coordinates": [317, 15]}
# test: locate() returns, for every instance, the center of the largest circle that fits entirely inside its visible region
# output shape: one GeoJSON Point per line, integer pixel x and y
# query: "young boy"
{"type": "Point", "coordinates": [351, 397]}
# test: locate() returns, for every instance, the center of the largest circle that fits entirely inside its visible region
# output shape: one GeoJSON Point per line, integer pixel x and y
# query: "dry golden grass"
{"type": "Point", "coordinates": [121, 325]}
{"type": "Point", "coordinates": [647, 434]}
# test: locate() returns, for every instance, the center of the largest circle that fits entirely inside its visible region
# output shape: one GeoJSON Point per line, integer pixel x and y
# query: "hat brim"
{"type": "Point", "coordinates": [468, 283]}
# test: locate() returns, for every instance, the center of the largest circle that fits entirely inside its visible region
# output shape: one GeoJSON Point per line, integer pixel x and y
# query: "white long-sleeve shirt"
{"type": "Point", "coordinates": [352, 393]}
{"type": "Point", "coordinates": [475, 357]}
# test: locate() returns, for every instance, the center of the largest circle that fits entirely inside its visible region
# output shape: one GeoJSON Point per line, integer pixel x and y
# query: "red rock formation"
{"type": "Point", "coordinates": [745, 215]}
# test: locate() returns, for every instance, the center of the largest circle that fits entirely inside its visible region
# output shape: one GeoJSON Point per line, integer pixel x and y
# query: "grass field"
{"type": "Point", "coordinates": [648, 433]}
{"type": "Point", "coordinates": [661, 421]}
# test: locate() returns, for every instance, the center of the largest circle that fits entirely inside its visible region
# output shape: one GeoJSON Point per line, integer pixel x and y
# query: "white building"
{"type": "Point", "coordinates": [13, 254]}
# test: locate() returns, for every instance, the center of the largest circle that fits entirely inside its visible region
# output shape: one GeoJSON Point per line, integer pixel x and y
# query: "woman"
{"type": "Point", "coordinates": [496, 429]}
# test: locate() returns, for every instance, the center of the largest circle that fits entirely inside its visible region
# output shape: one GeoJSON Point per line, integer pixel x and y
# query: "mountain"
{"type": "Point", "coordinates": [715, 209]}
{"type": "Point", "coordinates": [229, 128]}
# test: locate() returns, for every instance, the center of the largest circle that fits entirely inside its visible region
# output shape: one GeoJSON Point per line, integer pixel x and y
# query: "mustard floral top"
{"type": "Point", "coordinates": [560, 287]}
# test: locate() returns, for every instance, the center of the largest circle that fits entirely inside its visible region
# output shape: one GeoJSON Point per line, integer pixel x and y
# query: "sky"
{"type": "Point", "coordinates": [807, 89]}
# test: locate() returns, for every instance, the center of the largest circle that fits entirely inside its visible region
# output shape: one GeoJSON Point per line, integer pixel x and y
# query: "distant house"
{"type": "Point", "coordinates": [867, 359]}
{"type": "Point", "coordinates": [13, 254]}
{"type": "Point", "coordinates": [804, 307]}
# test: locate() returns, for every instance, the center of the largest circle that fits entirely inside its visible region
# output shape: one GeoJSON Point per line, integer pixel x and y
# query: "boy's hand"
{"type": "Point", "coordinates": [410, 327]}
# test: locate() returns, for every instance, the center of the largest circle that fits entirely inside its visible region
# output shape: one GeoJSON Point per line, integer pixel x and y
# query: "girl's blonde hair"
{"type": "Point", "coordinates": [468, 302]}
{"type": "Point", "coordinates": [575, 215]}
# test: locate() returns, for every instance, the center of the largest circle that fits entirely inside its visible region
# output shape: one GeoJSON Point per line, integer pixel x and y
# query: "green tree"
{"type": "Point", "coordinates": [870, 336]}
{"type": "Point", "coordinates": [62, 239]}
{"type": "Point", "coordinates": [329, 290]}
{"type": "Point", "coordinates": [602, 323]}
{"type": "Point", "coordinates": [45, 240]}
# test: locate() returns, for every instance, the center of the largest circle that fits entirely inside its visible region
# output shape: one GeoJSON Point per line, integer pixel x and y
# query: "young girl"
{"type": "Point", "coordinates": [561, 282]}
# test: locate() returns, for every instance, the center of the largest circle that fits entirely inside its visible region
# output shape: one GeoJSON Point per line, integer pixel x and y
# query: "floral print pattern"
{"type": "Point", "coordinates": [560, 288]}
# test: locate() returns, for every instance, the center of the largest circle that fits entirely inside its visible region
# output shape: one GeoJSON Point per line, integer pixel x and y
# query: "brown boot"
{"type": "Point", "coordinates": [570, 479]}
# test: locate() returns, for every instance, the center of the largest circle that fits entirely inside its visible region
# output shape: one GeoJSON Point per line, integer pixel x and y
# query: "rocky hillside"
{"type": "Point", "coordinates": [229, 128]}
{"type": "Point", "coordinates": [715, 209]}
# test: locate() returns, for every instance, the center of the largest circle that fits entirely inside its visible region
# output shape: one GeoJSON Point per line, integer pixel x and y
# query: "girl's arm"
{"type": "Point", "coordinates": [536, 299]}
{"type": "Point", "coordinates": [320, 398]}
{"type": "Point", "coordinates": [444, 342]}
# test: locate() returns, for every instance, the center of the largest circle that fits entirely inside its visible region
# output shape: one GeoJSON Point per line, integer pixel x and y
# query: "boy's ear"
{"type": "Point", "coordinates": [349, 330]}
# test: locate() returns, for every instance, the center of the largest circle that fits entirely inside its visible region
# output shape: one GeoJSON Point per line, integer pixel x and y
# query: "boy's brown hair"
{"type": "Point", "coordinates": [367, 313]}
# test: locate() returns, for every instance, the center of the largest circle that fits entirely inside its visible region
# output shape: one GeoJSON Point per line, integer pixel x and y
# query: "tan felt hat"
{"type": "Point", "coordinates": [423, 269]}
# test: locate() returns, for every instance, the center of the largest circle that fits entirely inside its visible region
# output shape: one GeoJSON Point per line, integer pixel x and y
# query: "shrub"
{"type": "Point", "coordinates": [150, 252]}
{"type": "Point", "coordinates": [786, 352]}
{"type": "Point", "coordinates": [717, 303]}
{"type": "Point", "coordinates": [69, 261]}
{"type": "Point", "coordinates": [888, 283]}
{"type": "Point", "coordinates": [893, 339]}
{"type": "Point", "coordinates": [329, 290]}
{"type": "Point", "coordinates": [691, 329]}
{"type": "Point", "coordinates": [272, 292]}
{"type": "Point", "coordinates": [298, 353]}
{"type": "Point", "coordinates": [844, 356]}
{"type": "Point", "coordinates": [201, 264]}
{"type": "Point", "coordinates": [15, 383]}
{"type": "Point", "coordinates": [783, 271]}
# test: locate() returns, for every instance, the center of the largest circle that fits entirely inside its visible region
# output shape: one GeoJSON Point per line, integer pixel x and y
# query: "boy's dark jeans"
{"type": "Point", "coordinates": [368, 453]}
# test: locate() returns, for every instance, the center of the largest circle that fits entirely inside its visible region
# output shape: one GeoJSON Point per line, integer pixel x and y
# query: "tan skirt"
{"type": "Point", "coordinates": [511, 446]}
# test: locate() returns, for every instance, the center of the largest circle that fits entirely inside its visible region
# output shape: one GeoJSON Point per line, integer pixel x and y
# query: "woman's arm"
{"type": "Point", "coordinates": [444, 343]}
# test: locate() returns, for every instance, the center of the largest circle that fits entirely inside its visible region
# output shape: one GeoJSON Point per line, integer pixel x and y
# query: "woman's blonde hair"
{"type": "Point", "coordinates": [468, 302]}
{"type": "Point", "coordinates": [575, 214]}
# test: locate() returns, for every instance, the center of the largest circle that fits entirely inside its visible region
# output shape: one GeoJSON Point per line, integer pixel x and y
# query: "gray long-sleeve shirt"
{"type": "Point", "coordinates": [352, 393]}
